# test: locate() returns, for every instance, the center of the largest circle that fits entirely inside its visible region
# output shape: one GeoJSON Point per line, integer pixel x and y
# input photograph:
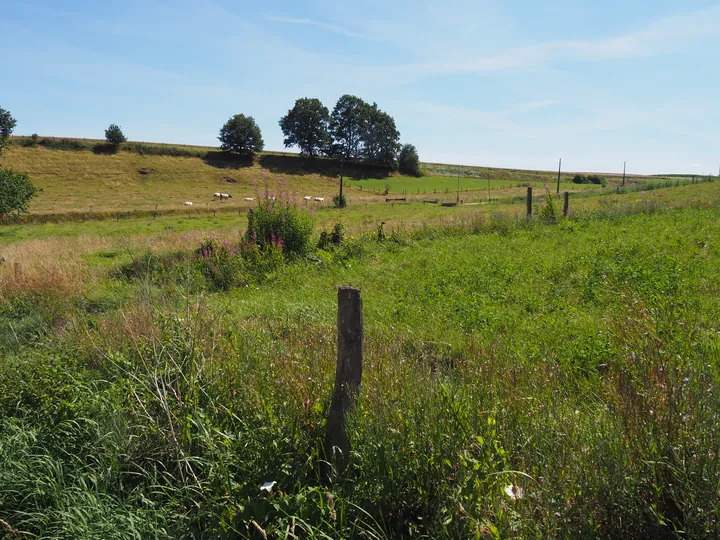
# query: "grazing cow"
{"type": "Point", "coordinates": [308, 198]}
{"type": "Point", "coordinates": [249, 199]}
{"type": "Point", "coordinates": [188, 203]}
{"type": "Point", "coordinates": [319, 199]}
{"type": "Point", "coordinates": [218, 195]}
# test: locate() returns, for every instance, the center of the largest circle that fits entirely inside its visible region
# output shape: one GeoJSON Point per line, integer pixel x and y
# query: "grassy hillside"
{"type": "Point", "coordinates": [74, 180]}
{"type": "Point", "coordinates": [575, 362]}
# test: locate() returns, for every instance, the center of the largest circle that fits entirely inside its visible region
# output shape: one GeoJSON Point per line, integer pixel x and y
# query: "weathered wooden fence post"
{"type": "Point", "coordinates": [529, 201]}
{"type": "Point", "coordinates": [348, 371]}
{"type": "Point", "coordinates": [566, 206]}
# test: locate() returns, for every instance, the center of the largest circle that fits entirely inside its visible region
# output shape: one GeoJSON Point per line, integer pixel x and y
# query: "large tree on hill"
{"type": "Point", "coordinates": [408, 160]}
{"type": "Point", "coordinates": [241, 135]}
{"type": "Point", "coordinates": [306, 126]}
{"type": "Point", "coordinates": [7, 124]}
{"type": "Point", "coordinates": [380, 137]}
{"type": "Point", "coordinates": [346, 128]}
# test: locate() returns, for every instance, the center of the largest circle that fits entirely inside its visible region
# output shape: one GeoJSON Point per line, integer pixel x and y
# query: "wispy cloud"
{"type": "Point", "coordinates": [661, 37]}
{"type": "Point", "coordinates": [318, 24]}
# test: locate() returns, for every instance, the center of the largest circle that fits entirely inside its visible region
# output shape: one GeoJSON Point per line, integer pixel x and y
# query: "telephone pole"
{"type": "Point", "coordinates": [624, 163]}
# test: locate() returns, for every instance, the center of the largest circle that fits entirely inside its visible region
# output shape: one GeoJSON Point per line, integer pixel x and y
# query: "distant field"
{"type": "Point", "coordinates": [441, 184]}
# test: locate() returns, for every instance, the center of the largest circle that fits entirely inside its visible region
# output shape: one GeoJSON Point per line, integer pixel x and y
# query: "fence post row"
{"type": "Point", "coordinates": [348, 371]}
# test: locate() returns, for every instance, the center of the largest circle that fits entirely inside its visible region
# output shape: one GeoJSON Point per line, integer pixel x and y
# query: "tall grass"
{"type": "Point", "coordinates": [520, 379]}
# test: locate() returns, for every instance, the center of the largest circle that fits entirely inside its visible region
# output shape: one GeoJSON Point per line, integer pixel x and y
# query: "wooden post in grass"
{"type": "Point", "coordinates": [348, 371]}
{"type": "Point", "coordinates": [566, 206]}
{"type": "Point", "coordinates": [529, 201]}
{"type": "Point", "coordinates": [559, 169]}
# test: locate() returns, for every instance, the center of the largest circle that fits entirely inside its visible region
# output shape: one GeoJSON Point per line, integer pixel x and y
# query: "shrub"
{"type": "Point", "coordinates": [332, 237]}
{"type": "Point", "coordinates": [340, 201]}
{"type": "Point", "coordinates": [409, 161]}
{"type": "Point", "coordinates": [16, 191]}
{"type": "Point", "coordinates": [114, 135]}
{"type": "Point", "coordinates": [591, 179]}
{"type": "Point", "coordinates": [63, 144]}
{"type": "Point", "coordinates": [548, 212]}
{"type": "Point", "coordinates": [31, 141]}
{"type": "Point", "coordinates": [281, 222]}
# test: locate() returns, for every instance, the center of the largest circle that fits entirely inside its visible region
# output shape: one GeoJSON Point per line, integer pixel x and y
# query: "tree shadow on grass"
{"type": "Point", "coordinates": [300, 165]}
{"type": "Point", "coordinates": [225, 160]}
{"type": "Point", "coordinates": [105, 149]}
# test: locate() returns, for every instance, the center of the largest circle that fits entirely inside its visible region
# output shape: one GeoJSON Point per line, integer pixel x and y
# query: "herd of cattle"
{"type": "Point", "coordinates": [223, 196]}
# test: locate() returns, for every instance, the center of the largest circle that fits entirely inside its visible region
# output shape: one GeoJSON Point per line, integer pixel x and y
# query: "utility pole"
{"type": "Point", "coordinates": [558, 183]}
{"type": "Point", "coordinates": [488, 179]}
{"type": "Point", "coordinates": [624, 163]}
{"type": "Point", "coordinates": [458, 189]}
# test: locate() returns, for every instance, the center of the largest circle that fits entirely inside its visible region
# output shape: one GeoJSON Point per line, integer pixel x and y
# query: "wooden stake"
{"type": "Point", "coordinates": [566, 206]}
{"type": "Point", "coordinates": [348, 371]}
{"type": "Point", "coordinates": [529, 201]}
{"type": "Point", "coordinates": [558, 183]}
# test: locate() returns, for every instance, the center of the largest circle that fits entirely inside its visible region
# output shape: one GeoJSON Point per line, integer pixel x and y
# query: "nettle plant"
{"type": "Point", "coordinates": [278, 220]}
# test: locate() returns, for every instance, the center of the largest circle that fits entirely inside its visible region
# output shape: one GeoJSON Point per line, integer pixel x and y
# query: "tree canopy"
{"type": "Point", "coordinates": [241, 135]}
{"type": "Point", "coordinates": [16, 191]}
{"type": "Point", "coordinates": [306, 126]}
{"type": "Point", "coordinates": [408, 160]}
{"type": "Point", "coordinates": [347, 128]}
{"type": "Point", "coordinates": [114, 135]}
{"type": "Point", "coordinates": [7, 124]}
{"type": "Point", "coordinates": [380, 137]}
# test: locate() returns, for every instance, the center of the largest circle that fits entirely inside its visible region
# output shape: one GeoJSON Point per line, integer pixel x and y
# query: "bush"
{"type": "Point", "coordinates": [31, 141]}
{"type": "Point", "coordinates": [409, 161]}
{"type": "Point", "coordinates": [548, 212]}
{"type": "Point", "coordinates": [63, 144]}
{"type": "Point", "coordinates": [279, 221]}
{"type": "Point", "coordinates": [340, 201]}
{"type": "Point", "coordinates": [114, 135]}
{"type": "Point", "coordinates": [332, 237]}
{"type": "Point", "coordinates": [16, 191]}
{"type": "Point", "coordinates": [591, 179]}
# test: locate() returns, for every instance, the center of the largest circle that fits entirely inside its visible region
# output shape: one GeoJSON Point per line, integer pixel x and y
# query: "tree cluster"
{"type": "Point", "coordinates": [354, 131]}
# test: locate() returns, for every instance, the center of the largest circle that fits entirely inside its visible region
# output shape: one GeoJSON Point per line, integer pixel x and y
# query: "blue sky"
{"type": "Point", "coordinates": [515, 84]}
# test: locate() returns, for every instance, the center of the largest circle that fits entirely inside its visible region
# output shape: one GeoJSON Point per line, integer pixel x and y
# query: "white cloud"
{"type": "Point", "coordinates": [663, 36]}
{"type": "Point", "coordinates": [325, 26]}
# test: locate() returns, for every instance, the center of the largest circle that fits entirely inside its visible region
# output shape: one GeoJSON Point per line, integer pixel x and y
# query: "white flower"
{"type": "Point", "coordinates": [267, 486]}
{"type": "Point", "coordinates": [514, 492]}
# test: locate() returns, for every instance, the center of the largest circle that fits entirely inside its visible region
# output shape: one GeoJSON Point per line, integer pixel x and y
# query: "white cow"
{"type": "Point", "coordinates": [188, 203]}
{"type": "Point", "coordinates": [218, 195]}
{"type": "Point", "coordinates": [319, 199]}
{"type": "Point", "coordinates": [249, 199]}
{"type": "Point", "coordinates": [308, 198]}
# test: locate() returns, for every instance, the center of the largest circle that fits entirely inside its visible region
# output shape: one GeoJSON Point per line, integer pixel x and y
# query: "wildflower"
{"type": "Point", "coordinates": [547, 188]}
{"type": "Point", "coordinates": [268, 486]}
{"type": "Point", "coordinates": [514, 491]}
